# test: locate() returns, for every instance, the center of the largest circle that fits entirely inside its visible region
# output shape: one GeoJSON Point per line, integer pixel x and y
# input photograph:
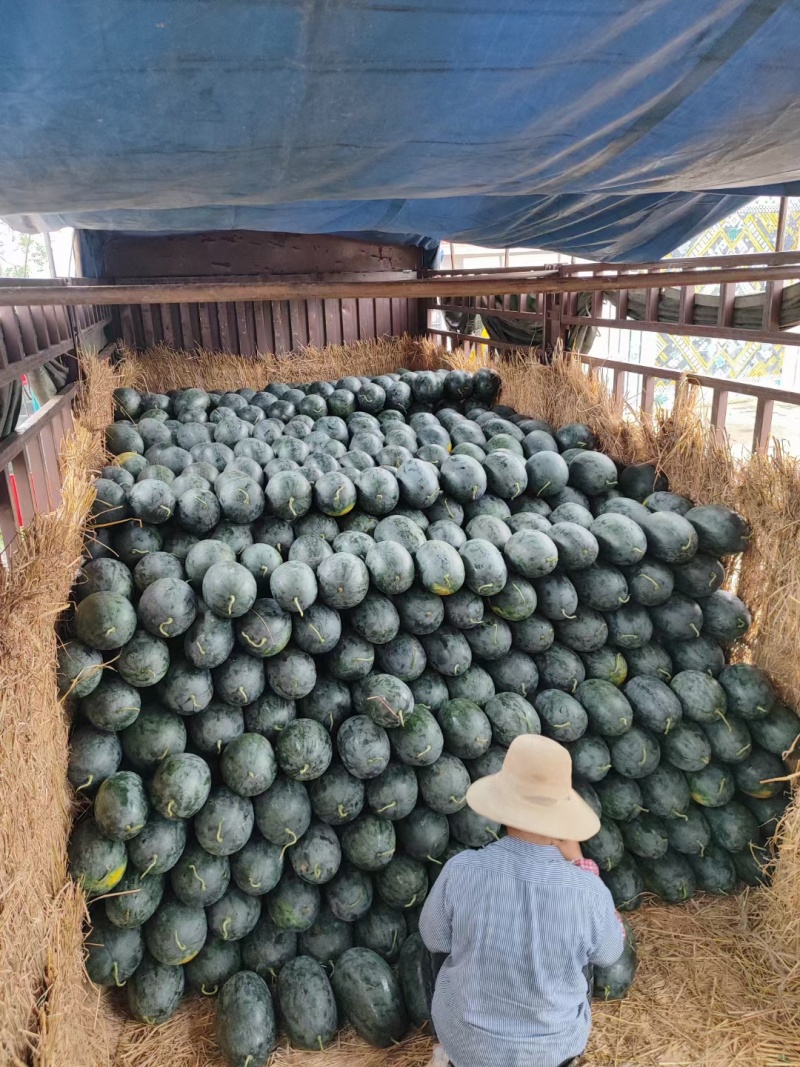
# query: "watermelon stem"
{"type": "Point", "coordinates": [296, 603]}
{"type": "Point", "coordinates": [149, 867]}
{"type": "Point", "coordinates": [434, 860]}
{"type": "Point", "coordinates": [219, 833]}
{"type": "Point", "coordinates": [545, 486]}
{"type": "Point", "coordinates": [679, 815]}
{"type": "Point", "coordinates": [424, 752]}
{"type": "Point", "coordinates": [177, 941]}
{"type": "Point", "coordinates": [116, 976]}
{"type": "Point", "coordinates": [226, 925]}
{"type": "Point", "coordinates": [208, 992]}
{"type": "Point", "coordinates": [86, 784]}
{"type": "Point", "coordinates": [167, 622]}
{"type": "Point", "coordinates": [386, 807]}
{"type": "Point", "coordinates": [201, 880]}
{"type": "Point", "coordinates": [342, 813]}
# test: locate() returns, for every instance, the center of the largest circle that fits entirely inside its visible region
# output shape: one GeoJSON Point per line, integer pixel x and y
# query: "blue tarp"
{"type": "Point", "coordinates": [606, 128]}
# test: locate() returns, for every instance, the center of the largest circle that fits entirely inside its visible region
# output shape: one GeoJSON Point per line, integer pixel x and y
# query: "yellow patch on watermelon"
{"type": "Point", "coordinates": [122, 457]}
{"type": "Point", "coordinates": [110, 880]}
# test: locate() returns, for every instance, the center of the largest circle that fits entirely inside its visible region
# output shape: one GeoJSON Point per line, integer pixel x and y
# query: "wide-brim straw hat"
{"type": "Point", "coordinates": [533, 792]}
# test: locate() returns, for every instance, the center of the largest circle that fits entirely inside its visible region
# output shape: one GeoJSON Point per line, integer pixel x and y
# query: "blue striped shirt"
{"type": "Point", "coordinates": [518, 924]}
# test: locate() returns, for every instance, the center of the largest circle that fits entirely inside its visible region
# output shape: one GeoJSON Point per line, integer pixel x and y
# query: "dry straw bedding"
{"type": "Point", "coordinates": [719, 979]}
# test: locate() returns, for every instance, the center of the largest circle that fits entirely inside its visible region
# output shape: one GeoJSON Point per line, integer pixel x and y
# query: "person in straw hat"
{"type": "Point", "coordinates": [520, 920]}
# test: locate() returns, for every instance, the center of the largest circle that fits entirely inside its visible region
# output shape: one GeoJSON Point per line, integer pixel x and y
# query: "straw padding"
{"type": "Point", "coordinates": [718, 979]}
{"type": "Point", "coordinates": [40, 911]}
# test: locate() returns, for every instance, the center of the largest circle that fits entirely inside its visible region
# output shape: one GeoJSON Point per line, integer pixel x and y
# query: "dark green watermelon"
{"type": "Point", "coordinates": [625, 883]}
{"type": "Point", "coordinates": [402, 883]}
{"type": "Point", "coordinates": [698, 654]}
{"type": "Point", "coordinates": [369, 842]}
{"type": "Point", "coordinates": [349, 893]}
{"type": "Point", "coordinates": [562, 716]}
{"type": "Point", "coordinates": [729, 738]}
{"type": "Point", "coordinates": [686, 746]}
{"type": "Point", "coordinates": [655, 706]}
{"type": "Point", "coordinates": [606, 848]}
{"type": "Point", "coordinates": [725, 617]}
{"type": "Point", "coordinates": [712, 786]}
{"type": "Point", "coordinates": [651, 660]}
{"type": "Point", "coordinates": [645, 836]}
{"type": "Point", "coordinates": [369, 997]}
{"type": "Point", "coordinates": [214, 964]}
{"type": "Point", "coordinates": [444, 784]}
{"type": "Point", "coordinates": [714, 870]}
{"type": "Point", "coordinates": [176, 932]}
{"type": "Point", "coordinates": [636, 753]}
{"type": "Point", "coordinates": [94, 756]}
{"type": "Point", "coordinates": [760, 775]}
{"type": "Point", "coordinates": [605, 663]}
{"type": "Point", "coordinates": [294, 903]}
{"type": "Point", "coordinates": [155, 991]}
{"type": "Point", "coordinates": [225, 822]}
{"type": "Point", "coordinates": [363, 747]}
{"type": "Point", "coordinates": [670, 877]}
{"type": "Point", "coordinates": [591, 759]}
{"type": "Point", "coordinates": [337, 796]}
{"type": "Point", "coordinates": [303, 749]}
{"type": "Point", "coordinates": [267, 948]}
{"type": "Point", "coordinates": [245, 1021]}
{"type": "Point", "coordinates": [180, 785]}
{"type": "Point", "coordinates": [748, 690]}
{"type": "Point", "coordinates": [317, 856]}
{"type": "Point", "coordinates": [650, 582]}
{"type": "Point", "coordinates": [690, 835]}
{"type": "Point", "coordinates": [720, 531]}
{"type": "Point", "coordinates": [257, 867]}
{"type": "Point", "coordinates": [609, 712]}
{"type": "Point", "coordinates": [777, 732]}
{"type": "Point", "coordinates": [383, 930]}
{"type": "Point", "coordinates": [113, 952]}
{"type": "Point", "coordinates": [665, 792]}
{"type": "Point", "coordinates": [393, 794]}
{"type": "Point", "coordinates": [621, 798]}
{"type": "Point", "coordinates": [702, 697]}
{"type": "Point", "coordinates": [424, 833]}
{"type": "Point", "coordinates": [120, 806]}
{"type": "Point", "coordinates": [466, 729]}
{"type": "Point", "coordinates": [420, 741]}
{"type": "Point", "coordinates": [283, 812]}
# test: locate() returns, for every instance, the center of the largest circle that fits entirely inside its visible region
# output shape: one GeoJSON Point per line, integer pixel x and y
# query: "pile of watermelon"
{"type": "Point", "coordinates": [310, 616]}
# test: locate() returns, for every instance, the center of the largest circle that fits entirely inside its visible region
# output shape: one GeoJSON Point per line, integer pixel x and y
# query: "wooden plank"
{"type": "Point", "coordinates": [22, 477]}
{"type": "Point", "coordinates": [147, 325]}
{"type": "Point", "coordinates": [246, 330]}
{"type": "Point", "coordinates": [12, 445]}
{"type": "Point", "coordinates": [166, 325]}
{"type": "Point", "coordinates": [213, 319]}
{"type": "Point", "coordinates": [27, 331]}
{"type": "Point", "coordinates": [126, 322]}
{"type": "Point", "coordinates": [316, 323]}
{"type": "Point", "coordinates": [298, 317]}
{"type": "Point", "coordinates": [205, 325]}
{"type": "Point", "coordinates": [226, 337]}
{"type": "Point", "coordinates": [762, 429]}
{"type": "Point", "coordinates": [333, 322]}
{"type": "Point", "coordinates": [15, 349]}
{"type": "Point", "coordinates": [719, 410]}
{"type": "Point", "coordinates": [730, 333]}
{"type": "Point", "coordinates": [583, 278]}
{"type": "Point", "coordinates": [651, 304]}
{"type": "Point", "coordinates": [63, 324]}
{"type": "Point", "coordinates": [53, 333]}
{"type": "Point", "coordinates": [49, 449]}
{"type": "Point", "coordinates": [187, 334]}
{"type": "Point", "coordinates": [263, 335]}
{"type": "Point", "coordinates": [349, 321]}
{"type": "Point", "coordinates": [648, 393]}
{"type": "Point", "coordinates": [383, 317]}
{"type": "Point", "coordinates": [366, 319]}
{"type": "Point", "coordinates": [281, 323]}
{"type": "Point", "coordinates": [8, 520]}
{"type": "Point", "coordinates": [773, 297]}
{"type": "Point", "coordinates": [727, 296]}
{"type": "Point", "coordinates": [619, 385]}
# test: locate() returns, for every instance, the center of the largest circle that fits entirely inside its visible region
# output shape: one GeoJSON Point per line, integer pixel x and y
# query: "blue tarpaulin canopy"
{"type": "Point", "coordinates": [611, 129]}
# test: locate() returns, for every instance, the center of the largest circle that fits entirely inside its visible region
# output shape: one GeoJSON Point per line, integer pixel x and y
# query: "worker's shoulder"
{"type": "Point", "coordinates": [495, 859]}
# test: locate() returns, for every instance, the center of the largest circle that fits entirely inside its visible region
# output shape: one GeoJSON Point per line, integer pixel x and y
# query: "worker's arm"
{"type": "Point", "coordinates": [435, 921]}
{"type": "Point", "coordinates": [607, 932]}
